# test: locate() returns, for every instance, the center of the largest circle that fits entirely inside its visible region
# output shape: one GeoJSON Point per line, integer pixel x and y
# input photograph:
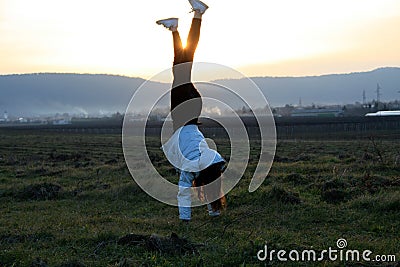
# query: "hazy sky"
{"type": "Point", "coordinates": [257, 37]}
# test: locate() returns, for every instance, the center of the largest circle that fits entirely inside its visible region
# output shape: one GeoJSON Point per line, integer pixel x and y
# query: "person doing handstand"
{"type": "Point", "coordinates": [197, 163]}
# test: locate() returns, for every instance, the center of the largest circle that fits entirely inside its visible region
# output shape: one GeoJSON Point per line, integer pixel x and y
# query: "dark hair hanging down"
{"type": "Point", "coordinates": [207, 176]}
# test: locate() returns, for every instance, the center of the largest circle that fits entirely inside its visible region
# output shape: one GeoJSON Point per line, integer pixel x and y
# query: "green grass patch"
{"type": "Point", "coordinates": [67, 199]}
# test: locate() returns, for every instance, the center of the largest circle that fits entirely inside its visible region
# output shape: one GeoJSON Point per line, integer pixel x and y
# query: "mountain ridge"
{"type": "Point", "coordinates": [134, 77]}
{"type": "Point", "coordinates": [85, 93]}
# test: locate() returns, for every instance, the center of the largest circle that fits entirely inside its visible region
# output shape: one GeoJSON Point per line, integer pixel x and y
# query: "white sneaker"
{"type": "Point", "coordinates": [199, 6]}
{"type": "Point", "coordinates": [168, 23]}
{"type": "Point", "coordinates": [211, 212]}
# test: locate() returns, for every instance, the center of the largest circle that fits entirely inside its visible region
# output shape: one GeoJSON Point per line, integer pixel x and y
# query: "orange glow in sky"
{"type": "Point", "coordinates": [259, 38]}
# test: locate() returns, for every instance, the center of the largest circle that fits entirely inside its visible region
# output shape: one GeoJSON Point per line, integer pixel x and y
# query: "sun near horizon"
{"type": "Point", "coordinates": [261, 38]}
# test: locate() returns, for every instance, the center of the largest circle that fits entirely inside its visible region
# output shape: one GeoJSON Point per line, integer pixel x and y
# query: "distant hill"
{"type": "Point", "coordinates": [328, 89]}
{"type": "Point", "coordinates": [49, 93]}
{"type": "Point", "coordinates": [332, 89]}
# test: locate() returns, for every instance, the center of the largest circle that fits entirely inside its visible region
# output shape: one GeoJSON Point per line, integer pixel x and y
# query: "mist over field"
{"type": "Point", "coordinates": [50, 93]}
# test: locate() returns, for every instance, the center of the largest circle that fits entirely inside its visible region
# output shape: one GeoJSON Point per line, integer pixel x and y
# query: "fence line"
{"type": "Point", "coordinates": [286, 128]}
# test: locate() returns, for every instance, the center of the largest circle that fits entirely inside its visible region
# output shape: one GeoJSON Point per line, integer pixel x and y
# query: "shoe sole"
{"type": "Point", "coordinates": [201, 3]}
{"type": "Point", "coordinates": [160, 22]}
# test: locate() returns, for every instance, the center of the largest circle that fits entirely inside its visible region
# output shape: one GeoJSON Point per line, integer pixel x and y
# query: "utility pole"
{"type": "Point", "coordinates": [378, 93]}
{"type": "Point", "coordinates": [398, 91]}
{"type": "Point", "coordinates": [364, 98]}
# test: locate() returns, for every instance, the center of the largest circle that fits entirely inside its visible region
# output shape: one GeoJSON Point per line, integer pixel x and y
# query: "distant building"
{"type": "Point", "coordinates": [22, 120]}
{"type": "Point", "coordinates": [5, 116]}
{"type": "Point", "coordinates": [61, 122]}
{"type": "Point", "coordinates": [384, 113]}
{"type": "Point", "coordinates": [317, 112]}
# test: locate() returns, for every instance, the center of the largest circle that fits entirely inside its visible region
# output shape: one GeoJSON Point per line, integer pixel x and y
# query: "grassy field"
{"type": "Point", "coordinates": [69, 200]}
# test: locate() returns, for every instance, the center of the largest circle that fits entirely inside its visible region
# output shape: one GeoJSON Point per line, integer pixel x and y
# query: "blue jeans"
{"type": "Point", "coordinates": [184, 194]}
